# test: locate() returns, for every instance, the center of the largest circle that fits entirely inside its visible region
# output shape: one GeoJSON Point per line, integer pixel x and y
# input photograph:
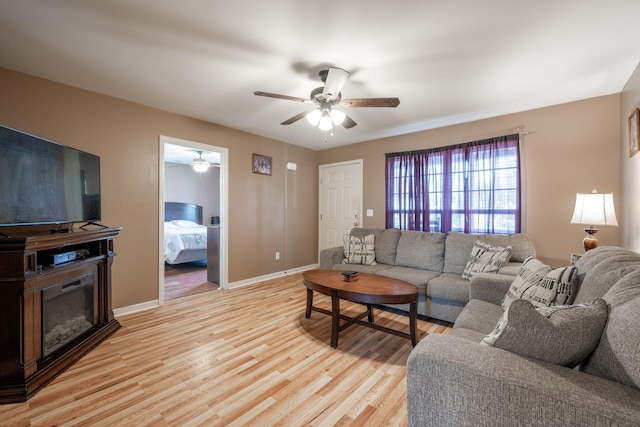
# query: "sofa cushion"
{"type": "Point", "coordinates": [479, 316]}
{"type": "Point", "coordinates": [536, 282]}
{"type": "Point", "coordinates": [423, 250]}
{"type": "Point", "coordinates": [601, 268]}
{"type": "Point", "coordinates": [386, 242]}
{"type": "Point", "coordinates": [561, 334]}
{"type": "Point", "coordinates": [521, 245]}
{"type": "Point", "coordinates": [359, 250]}
{"type": "Point", "coordinates": [450, 287]}
{"type": "Point", "coordinates": [415, 276]}
{"type": "Point", "coordinates": [458, 248]}
{"type": "Point", "coordinates": [387, 246]}
{"type": "Point", "coordinates": [510, 268]}
{"type": "Point", "coordinates": [485, 258]}
{"type": "Point", "coordinates": [617, 356]}
{"type": "Point", "coordinates": [373, 269]}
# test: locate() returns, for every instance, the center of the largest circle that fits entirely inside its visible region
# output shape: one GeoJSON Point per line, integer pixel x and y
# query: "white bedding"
{"type": "Point", "coordinates": [181, 235]}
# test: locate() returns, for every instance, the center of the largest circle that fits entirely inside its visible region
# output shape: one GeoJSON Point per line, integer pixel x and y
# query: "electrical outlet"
{"type": "Point", "coordinates": [277, 256]}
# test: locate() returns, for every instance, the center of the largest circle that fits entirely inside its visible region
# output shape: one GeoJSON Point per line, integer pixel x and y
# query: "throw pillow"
{"type": "Point", "coordinates": [542, 285]}
{"type": "Point", "coordinates": [557, 287]}
{"type": "Point", "coordinates": [561, 334]}
{"type": "Point", "coordinates": [485, 258]}
{"type": "Point", "coordinates": [359, 250]}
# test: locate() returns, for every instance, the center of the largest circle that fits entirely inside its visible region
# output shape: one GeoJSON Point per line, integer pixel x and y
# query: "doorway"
{"type": "Point", "coordinates": [217, 158]}
{"type": "Point", "coordinates": [340, 201]}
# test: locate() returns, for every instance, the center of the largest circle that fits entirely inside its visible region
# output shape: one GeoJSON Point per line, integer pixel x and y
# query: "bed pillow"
{"type": "Point", "coordinates": [563, 334]}
{"type": "Point", "coordinates": [169, 225]}
{"type": "Point", "coordinates": [485, 258]}
{"type": "Point", "coordinates": [359, 250]}
{"type": "Point", "coordinates": [185, 223]}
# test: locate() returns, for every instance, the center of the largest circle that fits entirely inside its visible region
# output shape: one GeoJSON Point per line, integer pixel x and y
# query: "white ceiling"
{"type": "Point", "coordinates": [449, 62]}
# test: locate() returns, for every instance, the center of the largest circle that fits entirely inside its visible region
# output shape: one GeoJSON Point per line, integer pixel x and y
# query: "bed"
{"type": "Point", "coordinates": [185, 238]}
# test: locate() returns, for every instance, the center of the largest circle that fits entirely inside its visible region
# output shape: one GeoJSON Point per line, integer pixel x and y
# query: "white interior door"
{"type": "Point", "coordinates": [340, 201]}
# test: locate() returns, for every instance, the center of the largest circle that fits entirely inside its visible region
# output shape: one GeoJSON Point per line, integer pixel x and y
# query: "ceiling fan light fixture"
{"type": "Point", "coordinates": [314, 116]}
{"type": "Point", "coordinates": [337, 116]}
{"type": "Point", "coordinates": [325, 122]}
{"type": "Point", "coordinates": [200, 165]}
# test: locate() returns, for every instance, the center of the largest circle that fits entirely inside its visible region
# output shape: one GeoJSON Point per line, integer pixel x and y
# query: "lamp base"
{"type": "Point", "coordinates": [590, 241]}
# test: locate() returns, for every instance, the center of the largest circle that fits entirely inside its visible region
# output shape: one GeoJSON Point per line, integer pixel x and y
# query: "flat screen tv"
{"type": "Point", "coordinates": [43, 182]}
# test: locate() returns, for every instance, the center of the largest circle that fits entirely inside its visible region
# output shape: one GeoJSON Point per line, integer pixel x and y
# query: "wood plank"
{"type": "Point", "coordinates": [244, 356]}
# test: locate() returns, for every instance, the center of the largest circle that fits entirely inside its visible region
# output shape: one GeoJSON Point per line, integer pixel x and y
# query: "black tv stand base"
{"type": "Point", "coordinates": [82, 227]}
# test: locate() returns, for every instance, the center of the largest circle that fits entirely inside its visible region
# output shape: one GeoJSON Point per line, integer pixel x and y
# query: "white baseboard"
{"type": "Point", "coordinates": [122, 311]}
{"type": "Point", "coordinates": [136, 308]}
{"type": "Point", "coordinates": [275, 275]}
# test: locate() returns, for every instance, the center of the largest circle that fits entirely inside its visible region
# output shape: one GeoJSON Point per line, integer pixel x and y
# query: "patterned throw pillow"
{"type": "Point", "coordinates": [562, 334]}
{"type": "Point", "coordinates": [359, 250]}
{"type": "Point", "coordinates": [485, 258]}
{"type": "Point", "coordinates": [542, 285]}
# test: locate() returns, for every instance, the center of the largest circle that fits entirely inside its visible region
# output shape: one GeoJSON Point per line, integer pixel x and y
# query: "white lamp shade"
{"type": "Point", "coordinates": [325, 122]}
{"type": "Point", "coordinates": [313, 117]}
{"type": "Point", "coordinates": [594, 209]}
{"type": "Point", "coordinates": [337, 116]}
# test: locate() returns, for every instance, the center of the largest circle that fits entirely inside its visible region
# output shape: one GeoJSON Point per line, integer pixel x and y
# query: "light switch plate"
{"type": "Point", "coordinates": [369, 212]}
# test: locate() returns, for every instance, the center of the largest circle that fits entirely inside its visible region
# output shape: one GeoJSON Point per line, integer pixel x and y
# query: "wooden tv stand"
{"type": "Point", "coordinates": [26, 269]}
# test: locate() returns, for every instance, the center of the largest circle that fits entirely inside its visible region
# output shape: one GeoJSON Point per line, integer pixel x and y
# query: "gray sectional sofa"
{"type": "Point", "coordinates": [434, 262]}
{"type": "Point", "coordinates": [459, 380]}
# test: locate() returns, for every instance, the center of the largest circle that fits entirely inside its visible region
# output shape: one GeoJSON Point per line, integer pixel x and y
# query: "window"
{"type": "Point", "coordinates": [470, 188]}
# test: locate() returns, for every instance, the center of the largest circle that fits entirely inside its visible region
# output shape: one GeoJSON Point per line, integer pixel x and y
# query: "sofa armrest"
{"type": "Point", "coordinates": [452, 381]}
{"type": "Point", "coordinates": [331, 256]}
{"type": "Point", "coordinates": [489, 287]}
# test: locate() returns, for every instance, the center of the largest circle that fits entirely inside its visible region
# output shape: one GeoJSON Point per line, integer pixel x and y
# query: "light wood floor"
{"type": "Point", "coordinates": [245, 356]}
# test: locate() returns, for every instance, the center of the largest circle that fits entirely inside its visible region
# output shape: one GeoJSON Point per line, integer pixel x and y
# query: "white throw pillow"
{"type": "Point", "coordinates": [485, 258]}
{"type": "Point", "coordinates": [542, 285]}
{"type": "Point", "coordinates": [359, 250]}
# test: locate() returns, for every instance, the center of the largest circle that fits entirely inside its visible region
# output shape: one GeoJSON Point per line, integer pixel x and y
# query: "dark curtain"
{"type": "Point", "coordinates": [471, 188]}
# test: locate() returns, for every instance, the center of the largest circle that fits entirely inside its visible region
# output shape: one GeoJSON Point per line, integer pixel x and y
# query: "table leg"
{"type": "Point", "coordinates": [335, 318]}
{"type": "Point", "coordinates": [413, 319]}
{"type": "Point", "coordinates": [307, 314]}
{"type": "Point", "coordinates": [370, 310]}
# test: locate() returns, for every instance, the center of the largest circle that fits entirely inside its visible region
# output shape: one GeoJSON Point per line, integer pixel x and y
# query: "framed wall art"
{"type": "Point", "coordinates": [261, 164]}
{"type": "Point", "coordinates": [634, 128]}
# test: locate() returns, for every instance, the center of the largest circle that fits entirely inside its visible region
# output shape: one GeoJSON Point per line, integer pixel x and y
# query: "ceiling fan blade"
{"type": "Point", "coordinates": [370, 102]}
{"type": "Point", "coordinates": [348, 122]}
{"type": "Point", "coordinates": [296, 117]}
{"type": "Point", "coordinates": [336, 79]}
{"type": "Point", "coordinates": [276, 95]}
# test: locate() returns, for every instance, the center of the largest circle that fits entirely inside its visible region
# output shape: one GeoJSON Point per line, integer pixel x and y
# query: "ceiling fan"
{"type": "Point", "coordinates": [325, 98]}
{"type": "Point", "coordinates": [201, 165]}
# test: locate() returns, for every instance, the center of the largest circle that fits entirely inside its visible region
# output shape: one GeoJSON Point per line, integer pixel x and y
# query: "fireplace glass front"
{"type": "Point", "coordinates": [69, 310]}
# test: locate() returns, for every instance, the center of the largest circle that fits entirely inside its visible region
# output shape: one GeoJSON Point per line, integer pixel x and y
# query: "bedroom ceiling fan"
{"type": "Point", "coordinates": [325, 98]}
{"type": "Point", "coordinates": [201, 165]}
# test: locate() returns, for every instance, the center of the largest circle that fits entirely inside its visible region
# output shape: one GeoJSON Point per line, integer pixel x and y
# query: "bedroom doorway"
{"type": "Point", "coordinates": [192, 209]}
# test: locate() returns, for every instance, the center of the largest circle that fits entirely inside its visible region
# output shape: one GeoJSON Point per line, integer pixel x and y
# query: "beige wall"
{"type": "Point", "coordinates": [629, 169]}
{"type": "Point", "coordinates": [126, 137]}
{"type": "Point", "coordinates": [185, 185]}
{"type": "Point", "coordinates": [572, 148]}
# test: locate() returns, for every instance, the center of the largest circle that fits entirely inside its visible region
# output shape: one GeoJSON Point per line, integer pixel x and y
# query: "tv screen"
{"type": "Point", "coordinates": [43, 182]}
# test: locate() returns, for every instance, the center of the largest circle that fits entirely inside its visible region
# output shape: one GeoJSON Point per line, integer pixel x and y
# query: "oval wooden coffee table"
{"type": "Point", "coordinates": [368, 289]}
